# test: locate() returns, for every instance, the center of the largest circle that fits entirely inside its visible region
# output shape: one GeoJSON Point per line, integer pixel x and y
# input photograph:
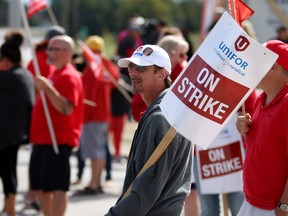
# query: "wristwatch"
{"type": "Point", "coordinates": [283, 206]}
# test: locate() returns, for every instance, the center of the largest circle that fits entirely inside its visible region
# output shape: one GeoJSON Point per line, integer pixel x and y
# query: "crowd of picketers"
{"type": "Point", "coordinates": [82, 98]}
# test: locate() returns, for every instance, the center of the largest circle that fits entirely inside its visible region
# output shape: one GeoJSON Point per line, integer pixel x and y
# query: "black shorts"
{"type": "Point", "coordinates": [49, 171]}
{"type": "Point", "coordinates": [193, 186]}
{"type": "Point", "coordinates": [8, 173]}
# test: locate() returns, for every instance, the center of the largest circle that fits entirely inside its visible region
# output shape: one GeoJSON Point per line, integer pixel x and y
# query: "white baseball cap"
{"type": "Point", "coordinates": [147, 55]}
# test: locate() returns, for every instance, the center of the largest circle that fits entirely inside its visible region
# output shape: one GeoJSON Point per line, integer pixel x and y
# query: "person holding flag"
{"type": "Point", "coordinates": [46, 71]}
{"type": "Point", "coordinates": [49, 171]}
{"type": "Point", "coordinates": [97, 87]}
{"type": "Point", "coordinates": [265, 172]}
{"type": "Point", "coordinates": [162, 188]}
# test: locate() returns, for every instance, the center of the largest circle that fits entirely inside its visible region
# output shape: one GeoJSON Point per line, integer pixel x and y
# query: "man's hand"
{"type": "Point", "coordinates": [42, 83]}
{"type": "Point", "coordinates": [59, 102]}
{"type": "Point", "coordinates": [243, 124]}
{"type": "Point", "coordinates": [279, 212]}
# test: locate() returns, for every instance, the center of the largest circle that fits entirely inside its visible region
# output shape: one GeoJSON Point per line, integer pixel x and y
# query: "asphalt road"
{"type": "Point", "coordinates": [96, 205]}
{"type": "Point", "coordinates": [93, 205]}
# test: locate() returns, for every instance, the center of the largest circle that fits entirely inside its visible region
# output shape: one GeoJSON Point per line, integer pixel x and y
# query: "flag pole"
{"type": "Point", "coordinates": [118, 86]}
{"type": "Point", "coordinates": [114, 81]}
{"type": "Point", "coordinates": [224, 195]}
{"type": "Point", "coordinates": [202, 29]}
{"type": "Point", "coordinates": [37, 72]}
{"type": "Point", "coordinates": [233, 10]}
{"type": "Point", "coordinates": [51, 15]}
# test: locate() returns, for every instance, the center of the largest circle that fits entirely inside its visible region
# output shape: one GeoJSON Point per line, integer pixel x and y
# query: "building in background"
{"type": "Point", "coordinates": [268, 16]}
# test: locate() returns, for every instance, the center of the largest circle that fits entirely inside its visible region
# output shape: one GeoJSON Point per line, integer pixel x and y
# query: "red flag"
{"type": "Point", "coordinates": [92, 59]}
{"type": "Point", "coordinates": [35, 6]}
{"type": "Point", "coordinates": [239, 10]}
{"type": "Point", "coordinates": [110, 68]}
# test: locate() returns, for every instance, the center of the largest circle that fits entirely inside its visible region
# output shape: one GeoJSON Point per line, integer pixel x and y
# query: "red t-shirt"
{"type": "Point", "coordinates": [99, 91]}
{"type": "Point", "coordinates": [44, 67]}
{"type": "Point", "coordinates": [266, 163]}
{"type": "Point", "coordinates": [250, 103]}
{"type": "Point", "coordinates": [137, 107]}
{"type": "Point", "coordinates": [67, 128]}
{"type": "Point", "coordinates": [177, 70]}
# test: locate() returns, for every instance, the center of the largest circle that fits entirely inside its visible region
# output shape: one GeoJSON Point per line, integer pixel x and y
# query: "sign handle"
{"type": "Point", "coordinates": [225, 204]}
{"type": "Point", "coordinates": [164, 143]}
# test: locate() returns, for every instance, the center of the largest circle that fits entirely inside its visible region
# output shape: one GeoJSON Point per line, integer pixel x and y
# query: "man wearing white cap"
{"type": "Point", "coordinates": [163, 187]}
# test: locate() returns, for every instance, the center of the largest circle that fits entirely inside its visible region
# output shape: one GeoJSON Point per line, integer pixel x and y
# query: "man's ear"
{"type": "Point", "coordinates": [162, 73]}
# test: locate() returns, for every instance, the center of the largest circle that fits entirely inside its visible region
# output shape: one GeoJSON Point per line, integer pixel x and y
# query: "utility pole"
{"type": "Point", "coordinates": [75, 18]}
{"type": "Point", "coordinates": [14, 19]}
{"type": "Point", "coordinates": [278, 11]}
{"type": "Point", "coordinates": [65, 14]}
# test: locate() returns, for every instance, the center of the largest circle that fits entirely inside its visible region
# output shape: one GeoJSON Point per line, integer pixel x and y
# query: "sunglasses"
{"type": "Point", "coordinates": [182, 55]}
{"type": "Point", "coordinates": [137, 67]}
{"type": "Point", "coordinates": [50, 49]}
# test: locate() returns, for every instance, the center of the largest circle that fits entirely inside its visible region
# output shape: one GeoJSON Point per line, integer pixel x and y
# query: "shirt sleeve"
{"type": "Point", "coordinates": [285, 128]}
{"type": "Point", "coordinates": [68, 87]}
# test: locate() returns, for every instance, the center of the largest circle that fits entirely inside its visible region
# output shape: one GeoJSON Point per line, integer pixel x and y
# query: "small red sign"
{"type": "Point", "coordinates": [220, 161]}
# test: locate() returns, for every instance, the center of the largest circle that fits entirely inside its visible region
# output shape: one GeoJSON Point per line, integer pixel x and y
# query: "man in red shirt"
{"type": "Point", "coordinates": [50, 172]}
{"type": "Point", "coordinates": [45, 70]}
{"type": "Point", "coordinates": [265, 172]}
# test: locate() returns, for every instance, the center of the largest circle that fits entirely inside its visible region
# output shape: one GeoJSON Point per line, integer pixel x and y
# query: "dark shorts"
{"type": "Point", "coordinates": [8, 173]}
{"type": "Point", "coordinates": [193, 186]}
{"type": "Point", "coordinates": [49, 171]}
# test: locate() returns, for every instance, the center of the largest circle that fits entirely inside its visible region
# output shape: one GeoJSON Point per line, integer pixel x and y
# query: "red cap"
{"type": "Point", "coordinates": [281, 49]}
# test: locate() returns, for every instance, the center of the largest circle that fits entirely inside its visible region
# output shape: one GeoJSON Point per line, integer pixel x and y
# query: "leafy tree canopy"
{"type": "Point", "coordinates": [97, 16]}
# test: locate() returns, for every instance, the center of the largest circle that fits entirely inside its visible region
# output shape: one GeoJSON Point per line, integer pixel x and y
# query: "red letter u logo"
{"type": "Point", "coordinates": [241, 43]}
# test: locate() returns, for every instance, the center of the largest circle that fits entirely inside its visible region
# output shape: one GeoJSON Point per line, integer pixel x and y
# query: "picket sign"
{"type": "Point", "coordinates": [220, 166]}
{"type": "Point", "coordinates": [220, 76]}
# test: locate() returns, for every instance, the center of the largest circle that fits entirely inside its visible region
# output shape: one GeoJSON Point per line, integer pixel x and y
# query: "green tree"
{"type": "Point", "coordinates": [160, 9]}
{"type": "Point", "coordinates": [3, 13]}
{"type": "Point", "coordinates": [112, 15]}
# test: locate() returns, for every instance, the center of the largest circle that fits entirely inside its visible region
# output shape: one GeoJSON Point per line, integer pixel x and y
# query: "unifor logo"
{"type": "Point", "coordinates": [241, 43]}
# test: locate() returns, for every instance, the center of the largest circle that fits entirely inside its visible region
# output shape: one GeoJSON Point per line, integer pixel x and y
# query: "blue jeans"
{"type": "Point", "coordinates": [80, 164]}
{"type": "Point", "coordinates": [210, 203]}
